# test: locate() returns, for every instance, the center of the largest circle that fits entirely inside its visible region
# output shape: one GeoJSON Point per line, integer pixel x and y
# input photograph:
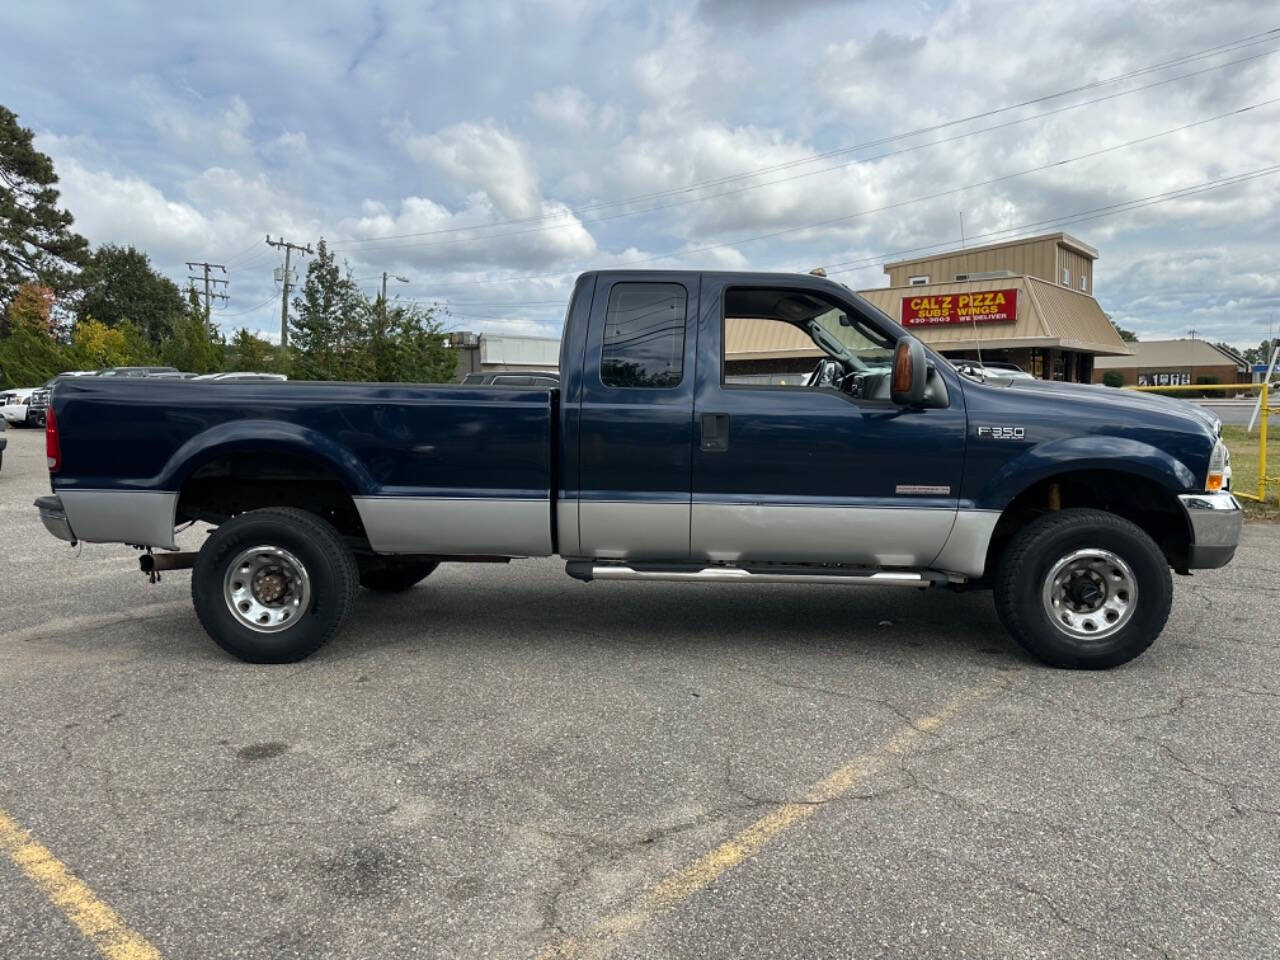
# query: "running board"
{"type": "Point", "coordinates": [587, 570]}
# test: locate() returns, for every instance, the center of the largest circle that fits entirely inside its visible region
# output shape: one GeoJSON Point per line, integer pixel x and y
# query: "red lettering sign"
{"type": "Point", "coordinates": [985, 306]}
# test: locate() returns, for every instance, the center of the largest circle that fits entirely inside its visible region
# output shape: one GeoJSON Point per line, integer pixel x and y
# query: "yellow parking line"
{"type": "Point", "coordinates": [93, 918]}
{"type": "Point", "coordinates": [600, 940]}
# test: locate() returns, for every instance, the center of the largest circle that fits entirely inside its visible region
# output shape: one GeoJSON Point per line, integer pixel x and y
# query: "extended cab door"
{"type": "Point", "coordinates": [635, 418]}
{"type": "Point", "coordinates": [803, 474]}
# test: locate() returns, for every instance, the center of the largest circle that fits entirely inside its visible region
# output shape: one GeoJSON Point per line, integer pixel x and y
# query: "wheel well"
{"type": "Point", "coordinates": [1139, 500]}
{"type": "Point", "coordinates": [235, 483]}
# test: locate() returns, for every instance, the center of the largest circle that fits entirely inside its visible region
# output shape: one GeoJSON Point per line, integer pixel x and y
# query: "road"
{"type": "Point", "coordinates": [508, 763]}
{"type": "Point", "coordinates": [1238, 412]}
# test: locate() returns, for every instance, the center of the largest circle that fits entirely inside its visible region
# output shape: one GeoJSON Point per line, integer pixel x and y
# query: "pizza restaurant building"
{"type": "Point", "coordinates": [1027, 302]}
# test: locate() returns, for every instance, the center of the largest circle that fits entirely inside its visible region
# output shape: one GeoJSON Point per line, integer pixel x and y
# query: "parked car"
{"type": "Point", "coordinates": [992, 371]}
{"type": "Point", "coordinates": [512, 378]}
{"type": "Point", "coordinates": [39, 401]}
{"type": "Point", "coordinates": [242, 376]}
{"type": "Point", "coordinates": [1070, 502]}
{"type": "Point", "coordinates": [16, 407]}
{"type": "Point", "coordinates": [135, 371]}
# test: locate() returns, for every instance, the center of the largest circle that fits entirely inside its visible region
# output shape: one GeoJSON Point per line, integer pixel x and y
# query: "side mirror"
{"type": "Point", "coordinates": [909, 373]}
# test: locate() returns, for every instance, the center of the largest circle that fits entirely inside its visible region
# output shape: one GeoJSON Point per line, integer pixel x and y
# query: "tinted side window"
{"type": "Point", "coordinates": [644, 335]}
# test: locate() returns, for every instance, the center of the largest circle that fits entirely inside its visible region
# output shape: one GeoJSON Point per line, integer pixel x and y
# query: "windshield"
{"type": "Point", "coordinates": [850, 340]}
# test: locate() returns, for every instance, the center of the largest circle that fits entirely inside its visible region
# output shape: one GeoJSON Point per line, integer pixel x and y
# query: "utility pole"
{"type": "Point", "coordinates": [210, 283]}
{"type": "Point", "coordinates": [285, 283]}
{"type": "Point", "coordinates": [384, 292]}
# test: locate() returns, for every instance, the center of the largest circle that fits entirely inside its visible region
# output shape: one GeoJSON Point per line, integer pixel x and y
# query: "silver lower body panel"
{"type": "Point", "coordinates": [633, 530]}
{"type": "Point", "coordinates": [783, 533]}
{"type": "Point", "coordinates": [464, 527]}
{"type": "Point", "coordinates": [144, 517]}
{"type": "Point", "coordinates": [966, 549]}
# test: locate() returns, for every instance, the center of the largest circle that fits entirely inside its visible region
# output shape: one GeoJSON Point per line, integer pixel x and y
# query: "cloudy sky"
{"type": "Point", "coordinates": [490, 151]}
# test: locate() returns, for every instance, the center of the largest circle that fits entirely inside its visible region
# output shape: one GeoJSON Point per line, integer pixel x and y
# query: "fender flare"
{"type": "Point", "coordinates": [1067, 455]}
{"type": "Point", "coordinates": [266, 437]}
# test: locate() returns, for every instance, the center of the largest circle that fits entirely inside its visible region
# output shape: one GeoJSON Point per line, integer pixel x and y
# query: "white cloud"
{"type": "Point", "coordinates": [566, 108]}
{"type": "Point", "coordinates": [481, 155]}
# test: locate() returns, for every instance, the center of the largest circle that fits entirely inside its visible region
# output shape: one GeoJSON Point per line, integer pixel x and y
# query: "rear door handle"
{"type": "Point", "coordinates": [715, 432]}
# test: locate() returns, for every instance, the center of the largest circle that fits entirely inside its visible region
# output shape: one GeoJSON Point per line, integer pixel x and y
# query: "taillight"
{"type": "Point", "coordinates": [52, 444]}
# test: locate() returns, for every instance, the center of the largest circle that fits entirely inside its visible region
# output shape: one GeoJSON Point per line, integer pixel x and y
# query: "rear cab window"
{"type": "Point", "coordinates": [644, 336]}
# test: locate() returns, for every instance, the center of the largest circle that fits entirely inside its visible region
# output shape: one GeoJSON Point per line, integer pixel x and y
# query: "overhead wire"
{"type": "Point", "coordinates": [891, 206]}
{"type": "Point", "coordinates": [1242, 43]}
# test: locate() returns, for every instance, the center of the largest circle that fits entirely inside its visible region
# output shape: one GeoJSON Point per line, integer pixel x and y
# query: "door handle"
{"type": "Point", "coordinates": [715, 432]}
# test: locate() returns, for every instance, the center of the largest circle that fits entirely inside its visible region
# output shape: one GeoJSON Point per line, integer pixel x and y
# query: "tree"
{"type": "Point", "coordinates": [193, 344]}
{"type": "Point", "coordinates": [29, 357]}
{"type": "Point", "coordinates": [36, 240]}
{"type": "Point", "coordinates": [123, 345]}
{"type": "Point", "coordinates": [248, 351]}
{"type": "Point", "coordinates": [1259, 354]}
{"type": "Point", "coordinates": [119, 283]}
{"type": "Point", "coordinates": [32, 307]}
{"type": "Point", "coordinates": [411, 348]}
{"type": "Point", "coordinates": [1128, 336]}
{"type": "Point", "coordinates": [330, 331]}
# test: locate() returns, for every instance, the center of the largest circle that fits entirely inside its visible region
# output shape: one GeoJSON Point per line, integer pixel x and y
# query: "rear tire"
{"type": "Point", "coordinates": [274, 585]}
{"type": "Point", "coordinates": [1083, 589]}
{"type": "Point", "coordinates": [395, 576]}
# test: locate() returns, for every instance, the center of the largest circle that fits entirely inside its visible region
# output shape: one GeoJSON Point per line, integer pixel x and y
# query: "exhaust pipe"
{"type": "Point", "coordinates": [151, 563]}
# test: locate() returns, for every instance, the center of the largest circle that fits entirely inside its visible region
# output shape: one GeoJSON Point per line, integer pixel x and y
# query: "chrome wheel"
{"type": "Point", "coordinates": [267, 589]}
{"type": "Point", "coordinates": [1090, 594]}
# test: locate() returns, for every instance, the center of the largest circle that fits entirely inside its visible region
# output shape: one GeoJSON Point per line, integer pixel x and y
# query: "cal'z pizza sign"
{"type": "Point", "coordinates": [988, 306]}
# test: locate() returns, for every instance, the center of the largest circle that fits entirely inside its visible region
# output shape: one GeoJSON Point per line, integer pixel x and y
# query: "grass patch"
{"type": "Point", "coordinates": [1244, 467]}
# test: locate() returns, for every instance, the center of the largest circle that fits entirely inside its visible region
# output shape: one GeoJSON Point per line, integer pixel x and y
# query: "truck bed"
{"type": "Point", "coordinates": [431, 469]}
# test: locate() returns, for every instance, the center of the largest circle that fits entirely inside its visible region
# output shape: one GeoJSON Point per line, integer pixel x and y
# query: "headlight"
{"type": "Point", "coordinates": [1217, 467]}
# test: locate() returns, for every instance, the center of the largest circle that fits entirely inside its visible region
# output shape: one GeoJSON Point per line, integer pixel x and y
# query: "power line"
{"type": "Point", "coordinates": [798, 176]}
{"type": "Point", "coordinates": [241, 313]}
{"type": "Point", "coordinates": [891, 206]}
{"type": "Point", "coordinates": [1229, 46]}
{"type": "Point", "coordinates": [1096, 213]}
{"type": "Point", "coordinates": [1111, 209]}
{"type": "Point", "coordinates": [1266, 36]}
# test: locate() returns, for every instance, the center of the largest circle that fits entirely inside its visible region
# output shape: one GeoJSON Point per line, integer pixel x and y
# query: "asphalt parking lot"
{"type": "Point", "coordinates": [508, 763]}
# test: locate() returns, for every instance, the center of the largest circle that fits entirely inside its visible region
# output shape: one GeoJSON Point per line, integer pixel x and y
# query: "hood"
{"type": "Point", "coordinates": [1120, 398]}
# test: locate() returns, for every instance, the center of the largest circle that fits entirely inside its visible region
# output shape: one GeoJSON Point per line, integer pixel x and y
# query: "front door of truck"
{"type": "Point", "coordinates": [635, 421]}
{"type": "Point", "coordinates": [791, 469]}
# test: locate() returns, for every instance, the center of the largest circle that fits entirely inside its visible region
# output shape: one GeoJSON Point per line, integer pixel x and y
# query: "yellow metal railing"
{"type": "Point", "coordinates": [1263, 479]}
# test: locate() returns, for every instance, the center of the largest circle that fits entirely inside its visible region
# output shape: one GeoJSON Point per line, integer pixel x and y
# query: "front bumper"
{"type": "Point", "coordinates": [54, 517]}
{"type": "Point", "coordinates": [1216, 521]}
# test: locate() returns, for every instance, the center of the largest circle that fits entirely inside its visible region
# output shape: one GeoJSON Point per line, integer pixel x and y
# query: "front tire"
{"type": "Point", "coordinates": [273, 585]}
{"type": "Point", "coordinates": [1083, 589]}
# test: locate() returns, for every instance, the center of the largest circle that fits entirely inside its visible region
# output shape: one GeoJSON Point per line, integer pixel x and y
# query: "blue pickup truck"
{"type": "Point", "coordinates": [656, 459]}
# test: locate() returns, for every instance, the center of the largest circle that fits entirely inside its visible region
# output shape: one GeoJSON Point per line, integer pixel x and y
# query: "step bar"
{"type": "Point", "coordinates": [588, 570]}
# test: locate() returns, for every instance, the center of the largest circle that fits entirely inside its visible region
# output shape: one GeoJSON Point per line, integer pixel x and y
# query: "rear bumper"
{"type": "Point", "coordinates": [1216, 521]}
{"type": "Point", "coordinates": [54, 517]}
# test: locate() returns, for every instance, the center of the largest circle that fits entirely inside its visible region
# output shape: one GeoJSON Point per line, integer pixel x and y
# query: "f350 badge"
{"type": "Point", "coordinates": [1003, 433]}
